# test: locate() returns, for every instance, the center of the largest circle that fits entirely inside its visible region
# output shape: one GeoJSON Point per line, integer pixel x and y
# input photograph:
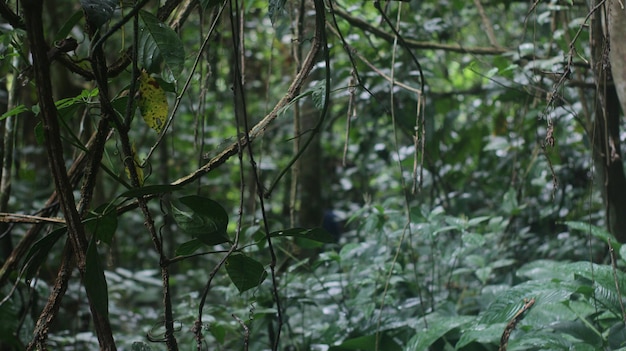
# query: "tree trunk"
{"type": "Point", "coordinates": [609, 50]}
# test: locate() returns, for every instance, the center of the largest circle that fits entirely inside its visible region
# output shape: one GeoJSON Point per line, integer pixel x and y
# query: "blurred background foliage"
{"type": "Point", "coordinates": [451, 209]}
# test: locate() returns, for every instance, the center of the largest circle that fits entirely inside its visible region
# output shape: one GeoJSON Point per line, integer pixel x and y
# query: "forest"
{"type": "Point", "coordinates": [325, 175]}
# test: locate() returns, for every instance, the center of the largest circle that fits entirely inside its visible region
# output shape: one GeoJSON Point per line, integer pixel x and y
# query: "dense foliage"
{"type": "Point", "coordinates": [310, 175]}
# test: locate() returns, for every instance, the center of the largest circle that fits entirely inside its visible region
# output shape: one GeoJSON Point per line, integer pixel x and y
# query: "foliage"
{"type": "Point", "coordinates": [458, 159]}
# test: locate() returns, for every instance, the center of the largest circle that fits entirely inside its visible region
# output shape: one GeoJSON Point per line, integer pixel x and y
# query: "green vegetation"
{"type": "Point", "coordinates": [312, 175]}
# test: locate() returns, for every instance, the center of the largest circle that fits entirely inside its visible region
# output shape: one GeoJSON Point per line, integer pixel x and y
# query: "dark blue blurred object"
{"type": "Point", "coordinates": [331, 225]}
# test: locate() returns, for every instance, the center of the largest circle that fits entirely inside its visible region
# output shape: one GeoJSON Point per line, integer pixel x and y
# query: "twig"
{"type": "Point", "coordinates": [414, 44]}
{"type": "Point", "coordinates": [246, 332]}
{"type": "Point", "coordinates": [486, 23]}
{"type": "Point", "coordinates": [24, 218]}
{"type": "Point", "coordinates": [504, 340]}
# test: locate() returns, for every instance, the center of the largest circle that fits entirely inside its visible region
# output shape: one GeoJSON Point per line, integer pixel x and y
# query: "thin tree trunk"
{"type": "Point", "coordinates": [605, 130]}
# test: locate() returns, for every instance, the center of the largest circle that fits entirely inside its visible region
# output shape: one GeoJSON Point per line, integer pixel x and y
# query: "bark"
{"type": "Point", "coordinates": [608, 54]}
{"type": "Point", "coordinates": [617, 55]}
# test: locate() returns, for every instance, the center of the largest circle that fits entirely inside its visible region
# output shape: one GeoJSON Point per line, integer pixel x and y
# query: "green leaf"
{"type": "Point", "coordinates": [189, 247]}
{"type": "Point", "coordinates": [95, 282]}
{"type": "Point", "coordinates": [207, 221]}
{"type": "Point", "coordinates": [68, 25]}
{"type": "Point", "coordinates": [14, 111]}
{"type": "Point", "coordinates": [246, 273]}
{"type": "Point", "coordinates": [98, 12]}
{"type": "Point", "coordinates": [39, 135]}
{"type": "Point", "coordinates": [150, 190]}
{"type": "Point", "coordinates": [38, 253]}
{"type": "Point", "coordinates": [219, 332]}
{"type": "Point", "coordinates": [438, 327]}
{"type": "Point", "coordinates": [319, 95]}
{"type": "Point", "coordinates": [157, 41]}
{"type": "Point", "coordinates": [484, 334]}
{"type": "Point", "coordinates": [368, 343]}
{"type": "Point", "coordinates": [315, 234]}
{"type": "Point", "coordinates": [102, 223]}
{"type": "Point", "coordinates": [595, 231]}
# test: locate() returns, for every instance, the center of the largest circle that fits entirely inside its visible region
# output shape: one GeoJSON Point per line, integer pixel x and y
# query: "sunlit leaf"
{"type": "Point", "coordinates": [14, 111]}
{"type": "Point", "coordinates": [152, 102]}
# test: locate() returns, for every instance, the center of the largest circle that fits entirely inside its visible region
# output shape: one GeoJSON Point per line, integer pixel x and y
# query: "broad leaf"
{"type": "Point", "coordinates": [207, 221]}
{"type": "Point", "coordinates": [189, 247]}
{"type": "Point", "coordinates": [157, 42]}
{"type": "Point", "coordinates": [68, 26]}
{"type": "Point", "coordinates": [150, 190]}
{"type": "Point", "coordinates": [438, 327]}
{"type": "Point", "coordinates": [245, 272]}
{"type": "Point", "coordinates": [315, 234]}
{"type": "Point", "coordinates": [368, 343]}
{"type": "Point", "coordinates": [595, 231]}
{"type": "Point", "coordinates": [152, 102]}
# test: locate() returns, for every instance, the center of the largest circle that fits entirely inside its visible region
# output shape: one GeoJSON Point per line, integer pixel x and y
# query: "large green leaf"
{"type": "Point", "coordinates": [150, 190]}
{"type": "Point", "coordinates": [207, 221]}
{"type": "Point", "coordinates": [159, 43]}
{"type": "Point", "coordinates": [315, 234]}
{"type": "Point", "coordinates": [605, 279]}
{"type": "Point", "coordinates": [68, 26]}
{"type": "Point", "coordinates": [438, 327]}
{"type": "Point", "coordinates": [95, 282]}
{"type": "Point", "coordinates": [368, 343]}
{"type": "Point", "coordinates": [246, 273]}
{"type": "Point", "coordinates": [189, 247]}
{"type": "Point", "coordinates": [595, 231]}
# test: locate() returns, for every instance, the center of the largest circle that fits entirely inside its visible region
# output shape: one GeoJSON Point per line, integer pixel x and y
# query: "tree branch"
{"type": "Point", "coordinates": [414, 44]}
